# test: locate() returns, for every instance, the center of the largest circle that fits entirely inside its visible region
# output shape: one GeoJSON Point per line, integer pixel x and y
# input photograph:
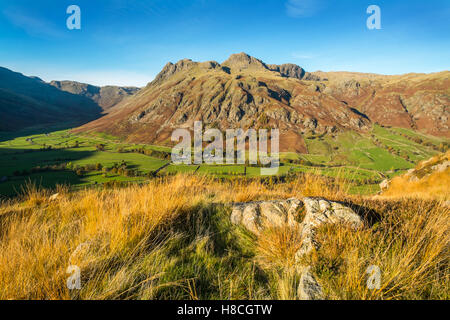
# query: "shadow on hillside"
{"type": "Point", "coordinates": [11, 135]}
{"type": "Point", "coordinates": [28, 103]}
{"type": "Point", "coordinates": [201, 238]}
{"type": "Point", "coordinates": [20, 167]}
{"type": "Point", "coordinates": [369, 215]}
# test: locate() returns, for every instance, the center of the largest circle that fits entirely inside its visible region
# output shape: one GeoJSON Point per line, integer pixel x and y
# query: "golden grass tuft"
{"type": "Point", "coordinates": [276, 247]}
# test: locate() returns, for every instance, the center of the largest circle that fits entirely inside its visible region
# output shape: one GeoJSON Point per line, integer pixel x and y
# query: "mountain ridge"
{"type": "Point", "coordinates": [105, 96]}
{"type": "Point", "coordinates": [246, 92]}
{"type": "Point", "coordinates": [242, 91]}
{"type": "Point", "coordinates": [30, 102]}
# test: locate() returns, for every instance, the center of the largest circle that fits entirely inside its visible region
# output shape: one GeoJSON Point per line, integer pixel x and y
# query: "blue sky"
{"type": "Point", "coordinates": [127, 42]}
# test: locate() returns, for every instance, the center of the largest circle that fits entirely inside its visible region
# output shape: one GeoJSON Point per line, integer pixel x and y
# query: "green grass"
{"type": "Point", "coordinates": [142, 162]}
{"type": "Point", "coordinates": [20, 153]}
{"type": "Point", "coordinates": [352, 149]}
{"type": "Point", "coordinates": [16, 185]}
{"type": "Point", "coordinates": [209, 253]}
{"type": "Point", "coordinates": [350, 155]}
{"type": "Point", "coordinates": [415, 151]}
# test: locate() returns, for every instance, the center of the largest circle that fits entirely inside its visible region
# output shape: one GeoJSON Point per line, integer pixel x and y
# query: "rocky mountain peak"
{"type": "Point", "coordinates": [170, 69]}
{"type": "Point", "coordinates": [244, 61]}
{"type": "Point", "coordinates": [252, 94]}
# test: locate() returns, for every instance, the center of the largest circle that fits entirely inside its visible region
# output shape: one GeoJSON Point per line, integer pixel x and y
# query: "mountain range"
{"type": "Point", "coordinates": [241, 92]}
{"type": "Point", "coordinates": [106, 97]}
{"type": "Point", "coordinates": [28, 102]}
{"type": "Point", "coordinates": [246, 92]}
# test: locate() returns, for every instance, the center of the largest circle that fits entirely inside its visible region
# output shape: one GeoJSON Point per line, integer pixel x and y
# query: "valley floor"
{"type": "Point", "coordinates": [61, 157]}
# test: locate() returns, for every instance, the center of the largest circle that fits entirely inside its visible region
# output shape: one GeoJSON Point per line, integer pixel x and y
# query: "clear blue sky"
{"type": "Point", "coordinates": [127, 42]}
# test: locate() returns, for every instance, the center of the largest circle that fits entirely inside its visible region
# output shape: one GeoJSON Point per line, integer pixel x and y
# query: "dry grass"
{"type": "Point", "coordinates": [436, 186]}
{"type": "Point", "coordinates": [409, 244]}
{"type": "Point", "coordinates": [277, 247]}
{"type": "Point", "coordinates": [36, 247]}
{"type": "Point", "coordinates": [120, 230]}
{"type": "Point", "coordinates": [172, 239]}
{"type": "Point", "coordinates": [430, 184]}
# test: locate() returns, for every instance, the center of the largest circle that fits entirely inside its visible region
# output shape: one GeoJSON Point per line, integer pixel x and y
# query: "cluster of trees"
{"type": "Point", "coordinates": [267, 180]}
{"type": "Point", "coordinates": [163, 155]}
{"type": "Point", "coordinates": [113, 184]}
{"type": "Point", "coordinates": [46, 147]}
{"type": "Point", "coordinates": [444, 146]}
{"type": "Point", "coordinates": [303, 162]}
{"type": "Point", "coordinates": [121, 169]}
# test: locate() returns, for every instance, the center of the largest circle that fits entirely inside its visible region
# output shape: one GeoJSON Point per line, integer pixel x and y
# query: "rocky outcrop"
{"type": "Point", "coordinates": [53, 197]}
{"type": "Point", "coordinates": [384, 185]}
{"type": "Point", "coordinates": [320, 211]}
{"type": "Point", "coordinates": [256, 216]}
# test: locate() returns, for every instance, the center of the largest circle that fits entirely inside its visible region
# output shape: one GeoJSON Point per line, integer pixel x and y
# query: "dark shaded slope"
{"type": "Point", "coordinates": [30, 102]}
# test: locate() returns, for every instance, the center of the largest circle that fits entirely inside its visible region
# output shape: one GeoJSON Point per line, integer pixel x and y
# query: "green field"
{"type": "Point", "coordinates": [61, 157]}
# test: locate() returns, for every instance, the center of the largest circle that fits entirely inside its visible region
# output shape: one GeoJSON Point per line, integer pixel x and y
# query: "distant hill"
{"type": "Point", "coordinates": [106, 97]}
{"type": "Point", "coordinates": [245, 92]}
{"type": "Point", "coordinates": [30, 102]}
{"type": "Point", "coordinates": [414, 101]}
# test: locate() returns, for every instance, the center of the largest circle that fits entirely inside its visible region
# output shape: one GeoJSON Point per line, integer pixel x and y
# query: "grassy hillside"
{"type": "Point", "coordinates": [430, 179]}
{"type": "Point", "coordinates": [172, 239]}
{"type": "Point", "coordinates": [139, 227]}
